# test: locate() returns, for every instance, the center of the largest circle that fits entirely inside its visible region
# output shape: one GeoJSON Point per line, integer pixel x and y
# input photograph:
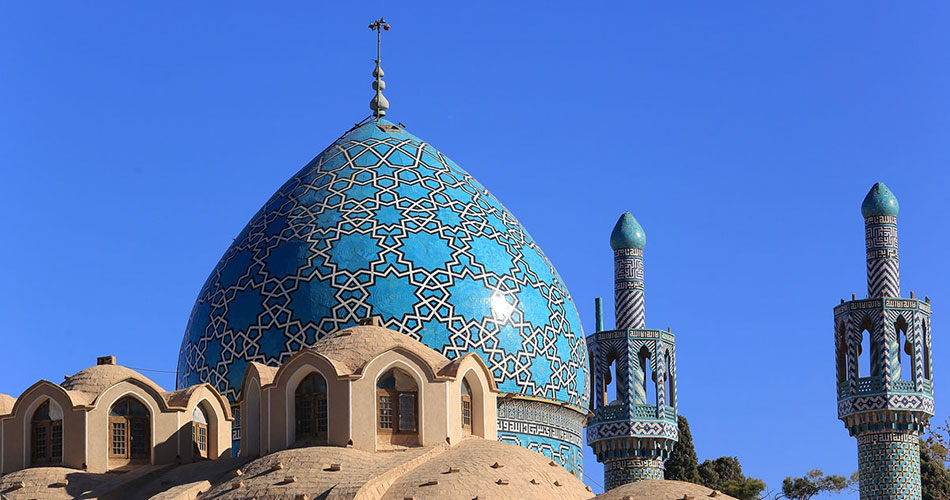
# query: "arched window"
{"type": "Point", "coordinates": [130, 432]}
{"type": "Point", "coordinates": [669, 380]}
{"type": "Point", "coordinates": [397, 408]}
{"type": "Point", "coordinates": [466, 408]}
{"type": "Point", "coordinates": [199, 428]}
{"type": "Point", "coordinates": [905, 352]}
{"type": "Point", "coordinates": [593, 375]}
{"type": "Point", "coordinates": [310, 409]}
{"type": "Point", "coordinates": [925, 341]}
{"type": "Point", "coordinates": [46, 435]}
{"type": "Point", "coordinates": [841, 346]}
{"type": "Point", "coordinates": [649, 376]}
{"type": "Point", "coordinates": [611, 393]}
{"type": "Point", "coordinates": [868, 352]}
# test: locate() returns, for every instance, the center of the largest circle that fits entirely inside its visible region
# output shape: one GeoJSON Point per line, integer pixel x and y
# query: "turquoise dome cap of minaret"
{"type": "Point", "coordinates": [879, 201]}
{"type": "Point", "coordinates": [627, 233]}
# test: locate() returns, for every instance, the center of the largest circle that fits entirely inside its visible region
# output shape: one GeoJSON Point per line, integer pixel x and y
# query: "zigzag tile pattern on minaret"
{"type": "Point", "coordinates": [632, 435]}
{"type": "Point", "coordinates": [880, 209]}
{"type": "Point", "coordinates": [627, 241]}
{"type": "Point", "coordinates": [887, 408]}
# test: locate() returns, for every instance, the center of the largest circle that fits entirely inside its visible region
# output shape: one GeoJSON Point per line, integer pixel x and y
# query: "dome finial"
{"type": "Point", "coordinates": [627, 233]}
{"type": "Point", "coordinates": [879, 201]}
{"type": "Point", "coordinates": [379, 104]}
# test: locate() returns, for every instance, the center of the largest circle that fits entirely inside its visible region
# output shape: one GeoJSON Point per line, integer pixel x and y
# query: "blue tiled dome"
{"type": "Point", "coordinates": [382, 223]}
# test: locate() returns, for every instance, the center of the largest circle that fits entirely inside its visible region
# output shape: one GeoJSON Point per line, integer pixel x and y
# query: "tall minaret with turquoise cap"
{"type": "Point", "coordinates": [633, 398]}
{"type": "Point", "coordinates": [888, 407]}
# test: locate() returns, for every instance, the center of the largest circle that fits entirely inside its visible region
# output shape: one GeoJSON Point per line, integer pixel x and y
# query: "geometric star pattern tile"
{"type": "Point", "coordinates": [382, 223]}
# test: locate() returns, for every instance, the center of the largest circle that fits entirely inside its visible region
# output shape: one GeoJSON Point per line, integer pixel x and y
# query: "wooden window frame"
{"type": "Point", "coordinates": [319, 414]}
{"type": "Point", "coordinates": [127, 423]}
{"type": "Point", "coordinates": [467, 413]}
{"type": "Point", "coordinates": [200, 438]}
{"type": "Point", "coordinates": [45, 452]}
{"type": "Point", "coordinates": [394, 397]}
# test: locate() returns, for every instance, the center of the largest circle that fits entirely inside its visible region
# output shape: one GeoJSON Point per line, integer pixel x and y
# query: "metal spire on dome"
{"type": "Point", "coordinates": [379, 104]}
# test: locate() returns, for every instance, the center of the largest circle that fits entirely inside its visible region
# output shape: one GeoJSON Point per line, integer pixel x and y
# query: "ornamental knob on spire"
{"type": "Point", "coordinates": [379, 104]}
{"type": "Point", "coordinates": [628, 233]}
{"type": "Point", "coordinates": [879, 201]}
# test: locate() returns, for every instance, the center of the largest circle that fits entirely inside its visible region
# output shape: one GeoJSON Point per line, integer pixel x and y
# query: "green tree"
{"type": "Point", "coordinates": [813, 483]}
{"type": "Point", "coordinates": [934, 476]}
{"type": "Point", "coordinates": [725, 474]}
{"type": "Point", "coordinates": [683, 464]}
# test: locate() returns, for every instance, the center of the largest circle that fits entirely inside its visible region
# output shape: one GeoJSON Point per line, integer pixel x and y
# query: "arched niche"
{"type": "Point", "coordinates": [46, 434]}
{"type": "Point", "coordinates": [204, 432]}
{"type": "Point", "coordinates": [397, 408]}
{"type": "Point", "coordinates": [251, 445]}
{"type": "Point", "coordinates": [130, 432]}
{"type": "Point", "coordinates": [311, 411]}
{"type": "Point", "coordinates": [477, 393]}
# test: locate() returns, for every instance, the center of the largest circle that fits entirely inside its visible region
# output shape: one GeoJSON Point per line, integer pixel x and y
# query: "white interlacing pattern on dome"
{"type": "Point", "coordinates": [387, 225]}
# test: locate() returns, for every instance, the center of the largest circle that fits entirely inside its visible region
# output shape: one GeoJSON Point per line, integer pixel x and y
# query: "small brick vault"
{"type": "Point", "coordinates": [364, 413]}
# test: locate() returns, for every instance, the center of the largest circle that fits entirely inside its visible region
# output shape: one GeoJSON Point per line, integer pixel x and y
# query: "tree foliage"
{"type": "Point", "coordinates": [934, 476]}
{"type": "Point", "coordinates": [813, 483]}
{"type": "Point", "coordinates": [725, 474]}
{"type": "Point", "coordinates": [683, 464]}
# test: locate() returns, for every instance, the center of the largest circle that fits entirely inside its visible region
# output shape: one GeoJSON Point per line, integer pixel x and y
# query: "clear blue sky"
{"type": "Point", "coordinates": [137, 140]}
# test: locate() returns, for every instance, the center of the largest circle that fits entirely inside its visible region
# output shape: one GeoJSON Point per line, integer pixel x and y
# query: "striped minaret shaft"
{"type": "Point", "coordinates": [628, 288]}
{"type": "Point", "coordinates": [880, 237]}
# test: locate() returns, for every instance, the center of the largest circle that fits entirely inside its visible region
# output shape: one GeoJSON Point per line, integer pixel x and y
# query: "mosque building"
{"type": "Point", "coordinates": [384, 328]}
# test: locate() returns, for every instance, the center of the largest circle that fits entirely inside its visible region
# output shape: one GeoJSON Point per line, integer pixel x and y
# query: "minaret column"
{"type": "Point", "coordinates": [629, 311]}
{"type": "Point", "coordinates": [880, 239]}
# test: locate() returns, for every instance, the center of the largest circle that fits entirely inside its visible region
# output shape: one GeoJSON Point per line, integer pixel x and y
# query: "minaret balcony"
{"type": "Point", "coordinates": [641, 421]}
{"type": "Point", "coordinates": [890, 337]}
{"type": "Point", "coordinates": [617, 412]}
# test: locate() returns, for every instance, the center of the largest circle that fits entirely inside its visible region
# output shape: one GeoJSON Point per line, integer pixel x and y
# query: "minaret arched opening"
{"type": "Point", "coordinates": [868, 365]}
{"type": "Point", "coordinates": [609, 390]}
{"type": "Point", "coordinates": [670, 397]}
{"type": "Point", "coordinates": [905, 354]}
{"type": "Point", "coordinates": [925, 341]}
{"type": "Point", "coordinates": [841, 345]}
{"type": "Point", "coordinates": [648, 369]}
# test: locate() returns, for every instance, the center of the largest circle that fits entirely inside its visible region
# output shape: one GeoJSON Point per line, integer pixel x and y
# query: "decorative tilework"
{"type": "Point", "coordinates": [889, 465]}
{"type": "Point", "coordinates": [551, 429]}
{"type": "Point", "coordinates": [381, 223]}
{"type": "Point", "coordinates": [623, 471]}
{"type": "Point", "coordinates": [608, 430]}
{"type": "Point", "coordinates": [629, 309]}
{"type": "Point", "coordinates": [882, 256]}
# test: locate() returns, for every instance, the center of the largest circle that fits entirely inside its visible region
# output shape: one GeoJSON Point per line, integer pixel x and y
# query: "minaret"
{"type": "Point", "coordinates": [634, 434]}
{"type": "Point", "coordinates": [889, 406]}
